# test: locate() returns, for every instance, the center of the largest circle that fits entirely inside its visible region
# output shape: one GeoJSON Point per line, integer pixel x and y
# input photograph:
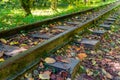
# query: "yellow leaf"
{"type": "Point", "coordinates": [59, 23]}
{"type": "Point", "coordinates": [22, 45]}
{"type": "Point", "coordinates": [1, 60]}
{"type": "Point", "coordinates": [3, 40]}
{"type": "Point", "coordinates": [14, 43]}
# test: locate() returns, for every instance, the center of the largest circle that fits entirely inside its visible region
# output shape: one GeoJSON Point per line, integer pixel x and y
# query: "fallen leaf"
{"type": "Point", "coordinates": [44, 76]}
{"type": "Point", "coordinates": [65, 60]}
{"type": "Point", "coordinates": [1, 53]}
{"type": "Point", "coordinates": [41, 65]}
{"type": "Point", "coordinates": [118, 73]}
{"type": "Point", "coordinates": [24, 46]}
{"type": "Point", "coordinates": [59, 23]}
{"type": "Point", "coordinates": [53, 76]}
{"type": "Point", "coordinates": [89, 72]}
{"type": "Point", "coordinates": [96, 72]}
{"type": "Point", "coordinates": [47, 72]}
{"type": "Point", "coordinates": [82, 56]}
{"type": "Point", "coordinates": [30, 78]}
{"type": "Point", "coordinates": [15, 52]}
{"type": "Point", "coordinates": [50, 60]}
{"type": "Point", "coordinates": [35, 43]}
{"type": "Point", "coordinates": [69, 47]}
{"type": "Point", "coordinates": [93, 62]}
{"type": "Point", "coordinates": [14, 43]}
{"type": "Point", "coordinates": [64, 74]}
{"type": "Point", "coordinates": [107, 74]}
{"type": "Point", "coordinates": [3, 40]}
{"type": "Point", "coordinates": [28, 75]}
{"type": "Point", "coordinates": [2, 59]}
{"type": "Point", "coordinates": [52, 25]}
{"type": "Point", "coordinates": [78, 49]}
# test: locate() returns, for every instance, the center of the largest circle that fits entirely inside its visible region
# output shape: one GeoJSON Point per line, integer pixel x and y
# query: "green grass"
{"type": "Point", "coordinates": [12, 16]}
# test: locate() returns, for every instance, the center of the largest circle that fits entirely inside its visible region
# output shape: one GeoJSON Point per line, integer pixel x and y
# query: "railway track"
{"type": "Point", "coordinates": [34, 44]}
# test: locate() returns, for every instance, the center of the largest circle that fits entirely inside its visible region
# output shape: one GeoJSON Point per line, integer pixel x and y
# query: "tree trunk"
{"type": "Point", "coordinates": [54, 4]}
{"type": "Point", "coordinates": [26, 6]}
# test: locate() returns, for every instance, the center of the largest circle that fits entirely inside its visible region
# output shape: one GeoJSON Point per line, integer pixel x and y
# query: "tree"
{"type": "Point", "coordinates": [54, 4]}
{"type": "Point", "coordinates": [26, 6]}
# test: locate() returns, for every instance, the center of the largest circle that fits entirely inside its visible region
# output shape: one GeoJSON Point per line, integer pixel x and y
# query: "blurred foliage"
{"type": "Point", "coordinates": [12, 14]}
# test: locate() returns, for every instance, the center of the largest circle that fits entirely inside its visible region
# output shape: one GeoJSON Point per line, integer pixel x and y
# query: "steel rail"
{"type": "Point", "coordinates": [10, 68]}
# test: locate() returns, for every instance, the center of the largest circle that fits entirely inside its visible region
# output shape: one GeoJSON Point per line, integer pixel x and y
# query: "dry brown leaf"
{"type": "Point", "coordinates": [30, 78]}
{"type": "Point", "coordinates": [47, 72]}
{"type": "Point", "coordinates": [52, 25]}
{"type": "Point", "coordinates": [78, 49]}
{"type": "Point", "coordinates": [82, 56]}
{"type": "Point", "coordinates": [108, 75]}
{"type": "Point", "coordinates": [65, 61]}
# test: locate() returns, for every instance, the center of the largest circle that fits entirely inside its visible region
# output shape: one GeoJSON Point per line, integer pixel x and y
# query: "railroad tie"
{"type": "Point", "coordinates": [89, 43]}
{"type": "Point", "coordinates": [111, 19]}
{"type": "Point", "coordinates": [99, 32]}
{"type": "Point", "coordinates": [73, 23]}
{"type": "Point", "coordinates": [63, 27]}
{"type": "Point", "coordinates": [108, 22]}
{"type": "Point", "coordinates": [43, 36]}
{"type": "Point", "coordinates": [12, 50]}
{"type": "Point", "coordinates": [105, 26]}
{"type": "Point", "coordinates": [69, 67]}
